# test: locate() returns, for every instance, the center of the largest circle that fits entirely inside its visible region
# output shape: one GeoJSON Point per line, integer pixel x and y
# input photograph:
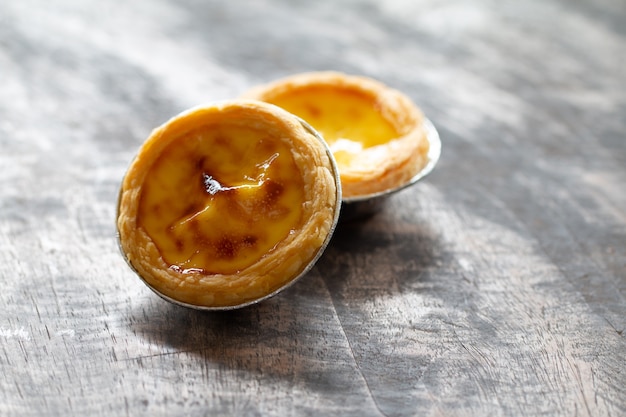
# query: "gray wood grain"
{"type": "Point", "coordinates": [495, 287]}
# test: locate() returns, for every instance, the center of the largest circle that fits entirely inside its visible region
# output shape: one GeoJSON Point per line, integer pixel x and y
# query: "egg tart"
{"type": "Point", "coordinates": [226, 204]}
{"type": "Point", "coordinates": [375, 132]}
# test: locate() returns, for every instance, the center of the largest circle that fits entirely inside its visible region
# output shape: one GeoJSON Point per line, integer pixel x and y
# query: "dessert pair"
{"type": "Point", "coordinates": [227, 204]}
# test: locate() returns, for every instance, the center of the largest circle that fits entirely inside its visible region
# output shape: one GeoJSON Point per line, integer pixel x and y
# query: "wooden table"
{"type": "Point", "coordinates": [495, 287]}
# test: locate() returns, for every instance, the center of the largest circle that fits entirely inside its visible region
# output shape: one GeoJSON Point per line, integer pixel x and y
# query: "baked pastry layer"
{"type": "Point", "coordinates": [227, 203]}
{"type": "Point", "coordinates": [375, 133]}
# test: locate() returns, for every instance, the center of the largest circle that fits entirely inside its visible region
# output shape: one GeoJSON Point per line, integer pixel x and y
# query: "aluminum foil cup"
{"type": "Point", "coordinates": [361, 207]}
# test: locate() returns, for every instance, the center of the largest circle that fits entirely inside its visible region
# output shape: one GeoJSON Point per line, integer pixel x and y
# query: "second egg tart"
{"type": "Point", "coordinates": [375, 132]}
{"type": "Point", "coordinates": [226, 204]}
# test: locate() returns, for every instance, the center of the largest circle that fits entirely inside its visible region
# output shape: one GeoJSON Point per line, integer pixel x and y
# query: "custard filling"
{"type": "Point", "coordinates": [219, 198]}
{"type": "Point", "coordinates": [349, 121]}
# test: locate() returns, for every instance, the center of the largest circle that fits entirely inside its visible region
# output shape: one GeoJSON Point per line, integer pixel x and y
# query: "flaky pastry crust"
{"type": "Point", "coordinates": [274, 269]}
{"type": "Point", "coordinates": [374, 169]}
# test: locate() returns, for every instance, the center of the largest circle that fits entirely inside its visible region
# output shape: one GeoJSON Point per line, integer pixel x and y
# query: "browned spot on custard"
{"type": "Point", "coordinates": [314, 110]}
{"type": "Point", "coordinates": [273, 191]}
{"type": "Point", "coordinates": [266, 146]}
{"type": "Point", "coordinates": [249, 240]}
{"type": "Point", "coordinates": [226, 248]}
{"type": "Point", "coordinates": [221, 140]}
{"type": "Point", "coordinates": [200, 163]}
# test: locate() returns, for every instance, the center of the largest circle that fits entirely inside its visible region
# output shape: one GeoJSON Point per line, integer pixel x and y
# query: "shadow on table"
{"type": "Point", "coordinates": [381, 255]}
{"type": "Point", "coordinates": [293, 341]}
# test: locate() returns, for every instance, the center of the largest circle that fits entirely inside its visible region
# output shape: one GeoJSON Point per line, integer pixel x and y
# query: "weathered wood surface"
{"type": "Point", "coordinates": [497, 286]}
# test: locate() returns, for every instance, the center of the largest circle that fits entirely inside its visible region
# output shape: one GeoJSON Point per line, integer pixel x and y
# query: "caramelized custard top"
{"type": "Point", "coordinates": [348, 120]}
{"type": "Point", "coordinates": [219, 198]}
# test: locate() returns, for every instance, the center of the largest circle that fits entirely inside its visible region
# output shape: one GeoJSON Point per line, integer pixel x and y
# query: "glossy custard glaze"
{"type": "Point", "coordinates": [350, 121]}
{"type": "Point", "coordinates": [219, 198]}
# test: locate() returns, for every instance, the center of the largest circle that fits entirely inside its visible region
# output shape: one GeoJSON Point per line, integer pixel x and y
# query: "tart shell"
{"type": "Point", "coordinates": [376, 168]}
{"type": "Point", "coordinates": [291, 257]}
